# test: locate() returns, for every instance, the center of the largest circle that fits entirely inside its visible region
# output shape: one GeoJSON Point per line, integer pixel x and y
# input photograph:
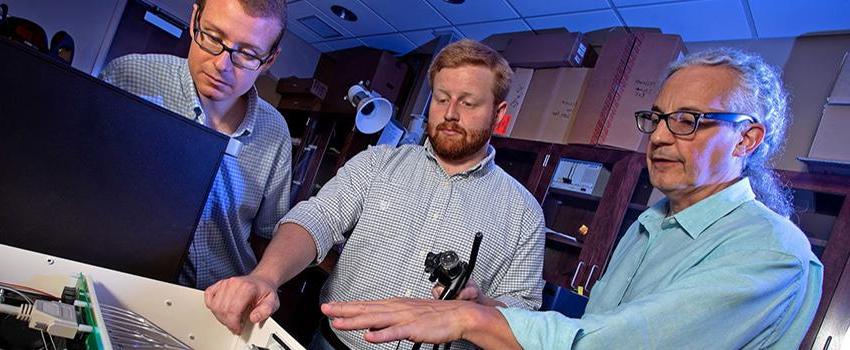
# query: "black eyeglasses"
{"type": "Point", "coordinates": [685, 122]}
{"type": "Point", "coordinates": [215, 46]}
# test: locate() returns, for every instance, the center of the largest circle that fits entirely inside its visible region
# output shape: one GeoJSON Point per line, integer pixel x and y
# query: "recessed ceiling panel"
{"type": "Point", "coordinates": [472, 11]}
{"type": "Point", "coordinates": [391, 42]}
{"type": "Point", "coordinates": [367, 23]}
{"type": "Point", "coordinates": [528, 8]}
{"type": "Point", "coordinates": [793, 18]}
{"type": "Point", "coordinates": [694, 21]}
{"type": "Point", "coordinates": [421, 37]}
{"type": "Point", "coordinates": [482, 30]}
{"type": "Point", "coordinates": [407, 15]}
{"type": "Point", "coordinates": [577, 22]}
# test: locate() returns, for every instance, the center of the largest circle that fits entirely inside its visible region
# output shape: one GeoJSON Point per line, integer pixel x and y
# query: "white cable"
{"type": "Point", "coordinates": [9, 309]}
{"type": "Point", "coordinates": [13, 290]}
{"type": "Point", "coordinates": [23, 313]}
{"type": "Point", "coordinates": [51, 341]}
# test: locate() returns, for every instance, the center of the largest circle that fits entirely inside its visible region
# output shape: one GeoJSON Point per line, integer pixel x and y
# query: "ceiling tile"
{"type": "Point", "coordinates": [302, 9]}
{"type": "Point", "coordinates": [343, 44]}
{"type": "Point", "coordinates": [367, 23]}
{"type": "Point", "coordinates": [793, 18]}
{"type": "Point", "coordinates": [322, 47]}
{"type": "Point", "coordinates": [482, 30]}
{"type": "Point", "coordinates": [422, 37]}
{"type": "Point", "coordinates": [528, 8]}
{"type": "Point", "coordinates": [694, 21]}
{"type": "Point", "coordinates": [472, 11]}
{"type": "Point", "coordinates": [391, 42]}
{"type": "Point", "coordinates": [302, 32]}
{"type": "Point", "coordinates": [398, 14]}
{"type": "Point", "coordinates": [620, 3]}
{"type": "Point", "coordinates": [577, 22]}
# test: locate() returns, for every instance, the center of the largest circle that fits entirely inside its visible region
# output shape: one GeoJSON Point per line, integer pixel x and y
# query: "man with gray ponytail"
{"type": "Point", "coordinates": [714, 265]}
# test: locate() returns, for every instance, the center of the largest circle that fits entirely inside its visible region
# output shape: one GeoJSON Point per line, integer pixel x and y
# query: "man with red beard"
{"type": "Point", "coordinates": [401, 203]}
{"type": "Point", "coordinates": [233, 42]}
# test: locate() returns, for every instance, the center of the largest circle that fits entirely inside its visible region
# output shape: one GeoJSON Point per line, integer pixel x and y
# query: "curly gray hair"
{"type": "Point", "coordinates": [761, 94]}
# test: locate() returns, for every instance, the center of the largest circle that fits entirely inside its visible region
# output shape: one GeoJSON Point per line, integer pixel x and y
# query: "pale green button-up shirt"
{"type": "Point", "coordinates": [725, 273]}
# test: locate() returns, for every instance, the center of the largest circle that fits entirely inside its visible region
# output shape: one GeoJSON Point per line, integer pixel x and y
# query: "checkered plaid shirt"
{"type": "Point", "coordinates": [250, 192]}
{"type": "Point", "coordinates": [401, 205]}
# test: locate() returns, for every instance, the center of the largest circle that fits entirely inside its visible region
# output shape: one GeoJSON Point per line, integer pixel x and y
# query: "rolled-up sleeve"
{"type": "Point", "coordinates": [337, 207]}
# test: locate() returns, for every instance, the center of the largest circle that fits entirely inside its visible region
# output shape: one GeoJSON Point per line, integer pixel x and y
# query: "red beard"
{"type": "Point", "coordinates": [460, 146]}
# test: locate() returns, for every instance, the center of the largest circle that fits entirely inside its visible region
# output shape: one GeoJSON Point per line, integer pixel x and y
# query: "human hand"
{"type": "Point", "coordinates": [470, 292]}
{"type": "Point", "coordinates": [232, 299]}
{"type": "Point", "coordinates": [416, 320]}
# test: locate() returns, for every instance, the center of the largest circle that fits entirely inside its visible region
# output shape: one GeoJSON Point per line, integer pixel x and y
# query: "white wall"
{"type": "Point", "coordinates": [809, 65]}
{"type": "Point", "coordinates": [92, 24]}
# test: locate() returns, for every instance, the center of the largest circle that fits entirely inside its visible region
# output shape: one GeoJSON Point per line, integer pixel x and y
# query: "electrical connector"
{"type": "Point", "coordinates": [55, 318]}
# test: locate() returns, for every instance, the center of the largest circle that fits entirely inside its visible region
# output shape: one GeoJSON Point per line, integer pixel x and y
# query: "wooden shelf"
{"type": "Point", "coordinates": [558, 238]}
{"type": "Point", "coordinates": [817, 242]}
{"type": "Point", "coordinates": [638, 207]}
{"type": "Point", "coordinates": [573, 194]}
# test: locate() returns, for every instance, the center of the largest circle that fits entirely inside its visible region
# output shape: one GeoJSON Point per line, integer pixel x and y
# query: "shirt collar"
{"type": "Point", "coordinates": [478, 170]}
{"type": "Point", "coordinates": [196, 112]}
{"type": "Point", "coordinates": [698, 217]}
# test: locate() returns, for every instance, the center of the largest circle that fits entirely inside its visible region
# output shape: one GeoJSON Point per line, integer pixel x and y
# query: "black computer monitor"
{"type": "Point", "coordinates": [92, 173]}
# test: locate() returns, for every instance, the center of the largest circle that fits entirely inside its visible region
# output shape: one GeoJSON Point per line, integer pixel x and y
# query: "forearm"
{"type": "Point", "coordinates": [485, 327]}
{"type": "Point", "coordinates": [291, 250]}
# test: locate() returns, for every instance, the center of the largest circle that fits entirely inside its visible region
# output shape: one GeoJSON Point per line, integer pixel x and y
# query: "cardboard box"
{"type": "Point", "coordinates": [627, 78]}
{"type": "Point", "coordinates": [841, 89]}
{"type": "Point", "coordinates": [603, 87]}
{"type": "Point", "coordinates": [516, 95]}
{"type": "Point", "coordinates": [831, 141]}
{"type": "Point", "coordinates": [548, 112]}
{"type": "Point", "coordinates": [300, 102]}
{"type": "Point", "coordinates": [551, 49]}
{"type": "Point", "coordinates": [306, 86]}
{"type": "Point", "coordinates": [501, 41]}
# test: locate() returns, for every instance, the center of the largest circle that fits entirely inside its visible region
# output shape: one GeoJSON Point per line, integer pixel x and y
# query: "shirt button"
{"type": "Point", "coordinates": [434, 216]}
{"type": "Point", "coordinates": [408, 293]}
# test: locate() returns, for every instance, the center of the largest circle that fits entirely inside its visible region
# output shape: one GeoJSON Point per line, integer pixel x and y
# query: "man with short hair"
{"type": "Point", "coordinates": [714, 265]}
{"type": "Point", "coordinates": [233, 43]}
{"type": "Point", "coordinates": [405, 202]}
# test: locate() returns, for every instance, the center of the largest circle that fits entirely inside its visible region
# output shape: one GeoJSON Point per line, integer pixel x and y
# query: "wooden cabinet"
{"type": "Point", "coordinates": [579, 262]}
{"type": "Point", "coordinates": [822, 205]}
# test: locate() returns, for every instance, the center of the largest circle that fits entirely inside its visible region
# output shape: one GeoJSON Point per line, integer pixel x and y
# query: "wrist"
{"type": "Point", "coordinates": [265, 276]}
{"type": "Point", "coordinates": [470, 317]}
{"type": "Point", "coordinates": [485, 327]}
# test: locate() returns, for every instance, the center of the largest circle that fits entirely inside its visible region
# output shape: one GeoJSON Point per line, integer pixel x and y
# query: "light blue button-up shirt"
{"type": "Point", "coordinates": [725, 273]}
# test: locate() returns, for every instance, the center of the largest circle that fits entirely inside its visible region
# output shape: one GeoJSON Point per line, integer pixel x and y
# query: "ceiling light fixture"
{"type": "Point", "coordinates": [344, 13]}
{"type": "Point", "coordinates": [455, 2]}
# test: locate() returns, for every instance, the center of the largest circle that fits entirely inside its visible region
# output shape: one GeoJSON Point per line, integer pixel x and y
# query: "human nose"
{"type": "Point", "coordinates": [223, 62]}
{"type": "Point", "coordinates": [452, 112]}
{"type": "Point", "coordinates": [662, 134]}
